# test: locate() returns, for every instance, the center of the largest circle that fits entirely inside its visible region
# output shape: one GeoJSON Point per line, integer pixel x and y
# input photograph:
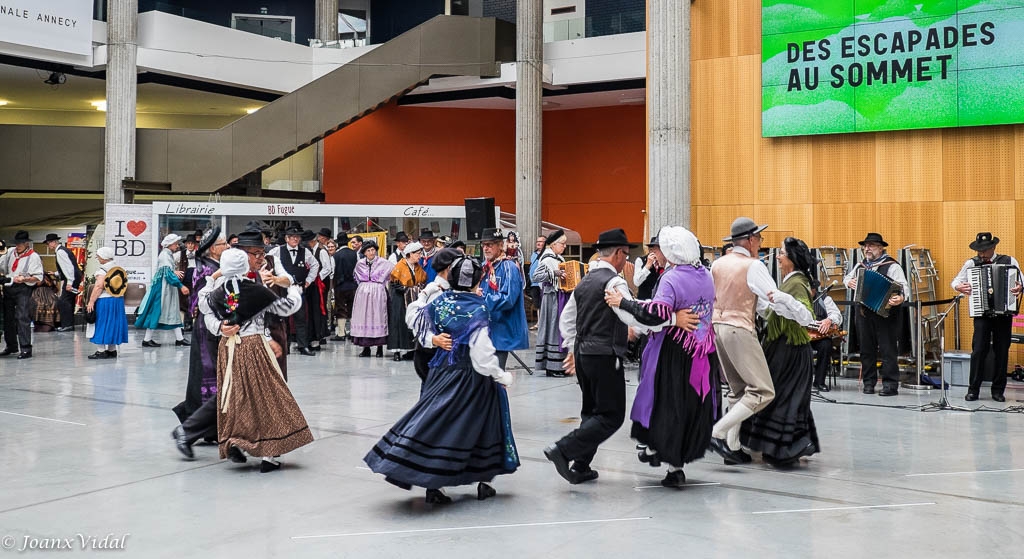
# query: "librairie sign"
{"type": "Point", "coordinates": [59, 25]}
{"type": "Point", "coordinates": [830, 66]}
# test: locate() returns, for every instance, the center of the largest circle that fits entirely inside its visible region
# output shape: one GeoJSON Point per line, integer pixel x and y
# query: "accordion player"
{"type": "Point", "coordinates": [574, 272]}
{"type": "Point", "coordinates": [874, 290]}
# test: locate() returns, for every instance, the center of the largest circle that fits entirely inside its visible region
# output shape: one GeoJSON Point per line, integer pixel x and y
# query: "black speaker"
{"type": "Point", "coordinates": [479, 216]}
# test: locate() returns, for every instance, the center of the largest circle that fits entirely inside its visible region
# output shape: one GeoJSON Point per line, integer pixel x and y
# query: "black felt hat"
{"type": "Point", "coordinates": [250, 239]}
{"type": "Point", "coordinates": [325, 232]}
{"type": "Point", "coordinates": [51, 237]}
{"type": "Point", "coordinates": [458, 244]}
{"type": "Point", "coordinates": [492, 235]}
{"type": "Point", "coordinates": [426, 234]}
{"type": "Point", "coordinates": [293, 230]}
{"type": "Point", "coordinates": [239, 301]}
{"type": "Point", "coordinates": [208, 239]}
{"type": "Point", "coordinates": [984, 241]}
{"type": "Point", "coordinates": [444, 258]}
{"type": "Point", "coordinates": [401, 237]}
{"type": "Point", "coordinates": [873, 238]}
{"type": "Point", "coordinates": [654, 242]}
{"type": "Point", "coordinates": [342, 240]}
{"type": "Point", "coordinates": [22, 237]}
{"type": "Point", "coordinates": [307, 235]}
{"type": "Point", "coordinates": [613, 238]}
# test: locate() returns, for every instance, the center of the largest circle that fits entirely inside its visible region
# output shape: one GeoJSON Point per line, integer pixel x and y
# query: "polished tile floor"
{"type": "Point", "coordinates": [86, 453]}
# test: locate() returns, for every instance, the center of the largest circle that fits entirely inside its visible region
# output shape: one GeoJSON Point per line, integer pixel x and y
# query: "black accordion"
{"type": "Point", "coordinates": [990, 290]}
{"type": "Point", "coordinates": [874, 289]}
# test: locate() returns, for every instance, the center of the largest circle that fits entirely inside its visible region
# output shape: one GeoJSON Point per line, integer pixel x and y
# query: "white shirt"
{"type": "Point", "coordinates": [962, 276]}
{"type": "Point", "coordinates": [285, 306]}
{"type": "Point", "coordinates": [567, 322]}
{"type": "Point", "coordinates": [285, 251]}
{"type": "Point", "coordinates": [640, 271]}
{"type": "Point", "coordinates": [31, 266]}
{"type": "Point", "coordinates": [895, 273]}
{"type": "Point", "coordinates": [326, 263]}
{"type": "Point", "coordinates": [426, 296]}
{"type": "Point", "coordinates": [832, 311]}
{"type": "Point", "coordinates": [760, 282]}
{"type": "Point", "coordinates": [66, 266]}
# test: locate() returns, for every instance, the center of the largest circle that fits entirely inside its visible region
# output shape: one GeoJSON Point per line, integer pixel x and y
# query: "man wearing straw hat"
{"type": "Point", "coordinates": [742, 284]}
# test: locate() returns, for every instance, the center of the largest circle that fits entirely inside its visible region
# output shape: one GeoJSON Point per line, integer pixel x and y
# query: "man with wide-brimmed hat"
{"type": "Point", "coordinates": [502, 288]}
{"type": "Point", "coordinates": [401, 239]}
{"type": "Point", "coordinates": [160, 308]}
{"type": "Point", "coordinates": [876, 333]}
{"type": "Point", "coordinates": [429, 242]}
{"type": "Point", "coordinates": [71, 275]}
{"type": "Point", "coordinates": [296, 261]}
{"type": "Point", "coordinates": [24, 270]}
{"type": "Point", "coordinates": [742, 284]}
{"type": "Point", "coordinates": [316, 295]}
{"type": "Point", "coordinates": [345, 286]}
{"type": "Point", "coordinates": [596, 337]}
{"type": "Point", "coordinates": [991, 329]}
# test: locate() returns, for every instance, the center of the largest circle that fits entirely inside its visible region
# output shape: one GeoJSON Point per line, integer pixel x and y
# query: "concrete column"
{"type": "Point", "coordinates": [668, 113]}
{"type": "Point", "coordinates": [326, 30]}
{"type": "Point", "coordinates": [119, 139]}
{"type": "Point", "coordinates": [529, 117]}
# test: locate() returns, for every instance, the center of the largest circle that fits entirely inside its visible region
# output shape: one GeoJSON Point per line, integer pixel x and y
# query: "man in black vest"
{"type": "Point", "coordinates": [990, 329]}
{"type": "Point", "coordinates": [647, 269]}
{"type": "Point", "coordinates": [596, 335]}
{"type": "Point", "coordinates": [344, 285]}
{"type": "Point", "coordinates": [71, 281]}
{"type": "Point", "coordinates": [876, 333]}
{"type": "Point", "coordinates": [299, 264]}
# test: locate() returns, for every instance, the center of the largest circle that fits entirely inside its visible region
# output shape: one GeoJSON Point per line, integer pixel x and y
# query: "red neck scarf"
{"type": "Point", "coordinates": [18, 258]}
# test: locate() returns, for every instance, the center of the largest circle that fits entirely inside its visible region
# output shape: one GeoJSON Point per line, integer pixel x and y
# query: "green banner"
{"type": "Point", "coordinates": [833, 66]}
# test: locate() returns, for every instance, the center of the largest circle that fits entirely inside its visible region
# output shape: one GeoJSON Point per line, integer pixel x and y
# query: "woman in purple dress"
{"type": "Point", "coordinates": [370, 306]}
{"type": "Point", "coordinates": [675, 403]}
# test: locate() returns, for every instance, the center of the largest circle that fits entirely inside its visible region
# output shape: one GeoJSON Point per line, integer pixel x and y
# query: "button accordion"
{"type": "Point", "coordinates": [873, 291]}
{"type": "Point", "coordinates": [990, 290]}
{"type": "Point", "coordinates": [574, 272]}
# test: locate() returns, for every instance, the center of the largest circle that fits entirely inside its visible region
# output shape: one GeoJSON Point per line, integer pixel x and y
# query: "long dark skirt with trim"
{"type": "Point", "coordinates": [458, 433]}
{"type": "Point", "coordinates": [255, 410]}
{"type": "Point", "coordinates": [784, 428]}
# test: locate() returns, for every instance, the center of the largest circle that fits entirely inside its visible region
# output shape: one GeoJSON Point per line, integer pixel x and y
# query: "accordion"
{"type": "Point", "coordinates": [990, 290]}
{"type": "Point", "coordinates": [873, 291]}
{"type": "Point", "coordinates": [574, 272]}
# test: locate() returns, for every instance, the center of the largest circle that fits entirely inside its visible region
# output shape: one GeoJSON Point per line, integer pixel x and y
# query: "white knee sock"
{"type": "Point", "coordinates": [733, 418]}
{"type": "Point", "coordinates": [111, 347]}
{"type": "Point", "coordinates": [149, 336]}
{"type": "Point", "coordinates": [732, 438]}
{"type": "Point", "coordinates": [178, 336]}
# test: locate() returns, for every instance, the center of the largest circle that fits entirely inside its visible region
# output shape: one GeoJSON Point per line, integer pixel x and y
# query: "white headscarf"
{"type": "Point", "coordinates": [679, 246]}
{"type": "Point", "coordinates": [234, 263]}
{"type": "Point", "coordinates": [105, 253]}
{"type": "Point", "coordinates": [169, 240]}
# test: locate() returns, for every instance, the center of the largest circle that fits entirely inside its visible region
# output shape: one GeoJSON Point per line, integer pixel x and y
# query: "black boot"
{"type": "Point", "coordinates": [380, 351]}
{"type": "Point", "coordinates": [653, 459]}
{"type": "Point", "coordinates": [675, 479]}
{"type": "Point", "coordinates": [484, 491]}
{"type": "Point", "coordinates": [437, 497]}
{"type": "Point", "coordinates": [365, 352]}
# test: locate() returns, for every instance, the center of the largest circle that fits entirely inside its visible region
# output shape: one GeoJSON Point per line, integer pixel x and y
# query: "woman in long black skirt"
{"type": "Point", "coordinates": [784, 431]}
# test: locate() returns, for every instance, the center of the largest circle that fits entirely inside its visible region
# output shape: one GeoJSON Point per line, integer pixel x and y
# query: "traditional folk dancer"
{"type": "Point", "coordinates": [783, 431]}
{"type": "Point", "coordinates": [187, 265]}
{"type": "Point", "coordinates": [460, 430]}
{"type": "Point", "coordinates": [110, 327]}
{"type": "Point", "coordinates": [71, 276]}
{"type": "Point", "coordinates": [503, 291]}
{"type": "Point", "coordinates": [743, 283]}
{"type": "Point", "coordinates": [370, 304]}
{"type": "Point", "coordinates": [256, 413]}
{"type": "Point", "coordinates": [297, 262]}
{"type": "Point", "coordinates": [877, 334]}
{"type": "Point", "coordinates": [676, 401]}
{"type": "Point", "coordinates": [202, 359]}
{"type": "Point", "coordinates": [4, 280]}
{"type": "Point", "coordinates": [407, 278]}
{"type": "Point", "coordinates": [545, 273]}
{"type": "Point", "coordinates": [828, 317]}
{"type": "Point", "coordinates": [345, 285]}
{"type": "Point", "coordinates": [24, 271]}
{"type": "Point", "coordinates": [429, 243]}
{"type": "Point", "coordinates": [160, 309]}
{"type": "Point", "coordinates": [316, 293]}
{"type": "Point", "coordinates": [401, 240]}
{"type": "Point", "coordinates": [646, 271]}
{"type": "Point", "coordinates": [426, 349]}
{"type": "Point", "coordinates": [991, 329]}
{"type": "Point", "coordinates": [44, 304]}
{"type": "Point", "coordinates": [596, 335]}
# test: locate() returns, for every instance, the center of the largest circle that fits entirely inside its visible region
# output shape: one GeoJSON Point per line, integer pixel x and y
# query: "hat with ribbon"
{"type": "Point", "coordinates": [874, 238]}
{"type": "Point", "coordinates": [984, 241]}
{"type": "Point", "coordinates": [613, 238]}
{"type": "Point", "coordinates": [742, 228]}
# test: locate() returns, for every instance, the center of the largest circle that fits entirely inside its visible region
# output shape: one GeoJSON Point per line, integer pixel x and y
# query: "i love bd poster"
{"type": "Point", "coordinates": [129, 231]}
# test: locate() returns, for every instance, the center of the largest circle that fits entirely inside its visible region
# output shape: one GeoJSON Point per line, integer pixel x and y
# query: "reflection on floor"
{"type": "Point", "coordinates": [86, 451]}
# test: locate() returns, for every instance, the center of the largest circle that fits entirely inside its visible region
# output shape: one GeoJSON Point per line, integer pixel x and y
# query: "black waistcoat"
{"type": "Point", "coordinates": [77, 280]}
{"type": "Point", "coordinates": [598, 330]}
{"type": "Point", "coordinates": [645, 291]}
{"type": "Point", "coordinates": [299, 271]}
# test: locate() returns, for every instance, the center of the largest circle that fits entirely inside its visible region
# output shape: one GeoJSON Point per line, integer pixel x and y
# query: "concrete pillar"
{"type": "Point", "coordinates": [668, 113]}
{"type": "Point", "coordinates": [529, 117]}
{"type": "Point", "coordinates": [326, 30]}
{"type": "Point", "coordinates": [119, 139]}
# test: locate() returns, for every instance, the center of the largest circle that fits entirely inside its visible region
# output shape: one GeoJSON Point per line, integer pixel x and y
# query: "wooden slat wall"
{"type": "Point", "coordinates": [932, 188]}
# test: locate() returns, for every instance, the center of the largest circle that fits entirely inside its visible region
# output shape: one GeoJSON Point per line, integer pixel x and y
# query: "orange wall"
{"type": "Point", "coordinates": [594, 162]}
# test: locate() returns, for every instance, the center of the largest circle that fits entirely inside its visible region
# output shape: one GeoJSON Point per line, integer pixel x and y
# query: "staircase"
{"type": "Point", "coordinates": [208, 160]}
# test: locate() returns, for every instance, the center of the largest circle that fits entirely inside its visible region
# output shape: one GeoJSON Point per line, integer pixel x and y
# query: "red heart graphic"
{"type": "Point", "coordinates": [136, 227]}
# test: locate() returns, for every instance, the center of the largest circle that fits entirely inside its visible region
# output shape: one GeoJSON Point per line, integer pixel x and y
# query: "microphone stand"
{"type": "Point", "coordinates": [943, 403]}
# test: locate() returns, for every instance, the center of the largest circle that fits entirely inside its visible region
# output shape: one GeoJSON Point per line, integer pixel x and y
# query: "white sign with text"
{"type": "Point", "coordinates": [129, 231]}
{"type": "Point", "coordinates": [60, 25]}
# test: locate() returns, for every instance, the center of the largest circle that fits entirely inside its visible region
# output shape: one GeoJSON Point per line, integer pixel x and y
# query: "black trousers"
{"type": "Point", "coordinates": [300, 320]}
{"type": "Point", "coordinates": [420, 361]}
{"type": "Point", "coordinates": [203, 422]}
{"type": "Point", "coordinates": [823, 359]}
{"type": "Point", "coordinates": [877, 335]}
{"type": "Point", "coordinates": [603, 384]}
{"type": "Point", "coordinates": [17, 322]}
{"type": "Point", "coordinates": [993, 330]}
{"type": "Point", "coordinates": [66, 308]}
{"type": "Point", "coordinates": [316, 321]}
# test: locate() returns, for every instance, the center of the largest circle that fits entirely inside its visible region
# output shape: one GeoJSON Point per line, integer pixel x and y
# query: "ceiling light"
{"type": "Point", "coordinates": [2, 102]}
{"type": "Point", "coordinates": [250, 111]}
{"type": "Point", "coordinates": [100, 105]}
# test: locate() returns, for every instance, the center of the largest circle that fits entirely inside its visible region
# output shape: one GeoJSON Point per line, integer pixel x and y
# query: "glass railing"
{"type": "Point", "coordinates": [629, 21]}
